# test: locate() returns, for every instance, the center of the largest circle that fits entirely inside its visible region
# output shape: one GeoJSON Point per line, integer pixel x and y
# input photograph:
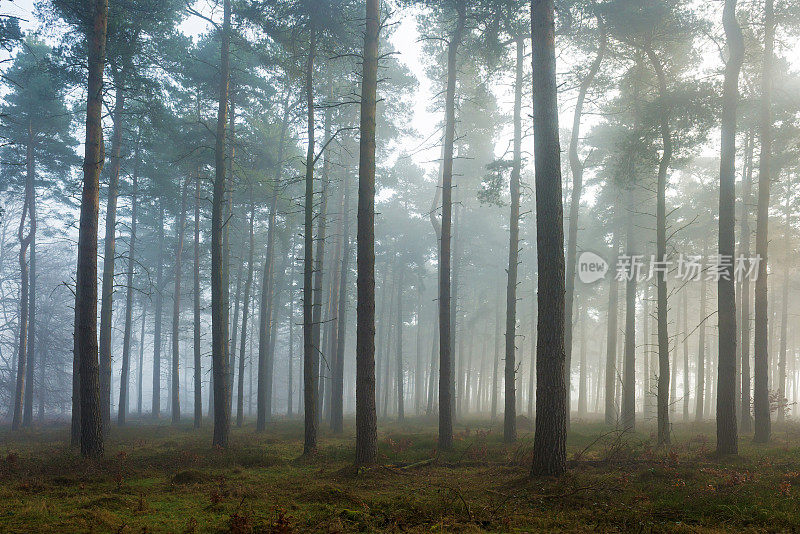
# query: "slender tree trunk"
{"type": "Point", "coordinates": [784, 309]}
{"type": "Point", "coordinates": [495, 374]}
{"type": "Point", "coordinates": [628, 415]}
{"type": "Point", "coordinates": [198, 368]}
{"type": "Point", "coordinates": [582, 387]}
{"type": "Point", "coordinates": [746, 422]}
{"type": "Point", "coordinates": [761, 382]}
{"type": "Point", "coordinates": [399, 347]}
{"type": "Point", "coordinates": [685, 356]}
{"type": "Point", "coordinates": [122, 409]}
{"type": "Point", "coordinates": [701, 347]}
{"type": "Point", "coordinates": [140, 367]}
{"type": "Point", "coordinates": [727, 433]}
{"type": "Point", "coordinates": [25, 240]}
{"type": "Point", "coordinates": [510, 414]}
{"type": "Point", "coordinates": [419, 374]}
{"type": "Point", "coordinates": [245, 311]}
{"type": "Point", "coordinates": [106, 312]}
{"type": "Point", "coordinates": [176, 310]}
{"type": "Point", "coordinates": [662, 399]}
{"type": "Point", "coordinates": [158, 315]}
{"type": "Point", "coordinates": [611, 413]}
{"type": "Point", "coordinates": [549, 445]}
{"type": "Point", "coordinates": [576, 166]}
{"type": "Point", "coordinates": [366, 419]}
{"type": "Point", "coordinates": [27, 412]}
{"type": "Point", "coordinates": [90, 416]}
{"type": "Point", "coordinates": [310, 355]}
{"type": "Point", "coordinates": [337, 387]}
{"type": "Point", "coordinates": [219, 281]}
{"type": "Point", "coordinates": [445, 321]}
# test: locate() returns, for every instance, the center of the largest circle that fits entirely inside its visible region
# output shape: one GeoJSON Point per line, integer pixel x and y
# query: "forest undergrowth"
{"type": "Point", "coordinates": [157, 479]}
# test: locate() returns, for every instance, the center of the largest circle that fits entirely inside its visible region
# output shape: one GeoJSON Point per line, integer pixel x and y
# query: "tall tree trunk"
{"type": "Point", "coordinates": [701, 347]}
{"type": "Point", "coordinates": [419, 374]}
{"type": "Point", "coordinates": [495, 374]}
{"type": "Point", "coordinates": [124, 385]}
{"type": "Point", "coordinates": [582, 388]}
{"type": "Point", "coordinates": [685, 356]}
{"type": "Point", "coordinates": [176, 310]}
{"type": "Point", "coordinates": [761, 382]}
{"type": "Point", "coordinates": [366, 419]}
{"type": "Point", "coordinates": [727, 433]}
{"type": "Point", "coordinates": [399, 347]}
{"type": "Point", "coordinates": [219, 281]}
{"type": "Point", "coordinates": [198, 371]}
{"type": "Point", "coordinates": [245, 316]}
{"type": "Point", "coordinates": [510, 414]}
{"type": "Point", "coordinates": [140, 367]}
{"type": "Point", "coordinates": [784, 308]}
{"type": "Point", "coordinates": [106, 312]}
{"type": "Point", "coordinates": [310, 356]}
{"type": "Point", "coordinates": [90, 416]}
{"type": "Point", "coordinates": [611, 331]}
{"type": "Point", "coordinates": [24, 353]}
{"type": "Point", "coordinates": [337, 386]}
{"type": "Point", "coordinates": [227, 218]}
{"type": "Point", "coordinates": [628, 415]}
{"type": "Point", "coordinates": [445, 350]}
{"type": "Point", "coordinates": [549, 444]}
{"type": "Point", "coordinates": [158, 315]}
{"type": "Point", "coordinates": [662, 399]}
{"type": "Point", "coordinates": [576, 166]}
{"type": "Point", "coordinates": [746, 422]}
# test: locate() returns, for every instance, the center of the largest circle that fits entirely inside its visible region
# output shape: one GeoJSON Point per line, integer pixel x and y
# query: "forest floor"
{"type": "Point", "coordinates": [156, 478]}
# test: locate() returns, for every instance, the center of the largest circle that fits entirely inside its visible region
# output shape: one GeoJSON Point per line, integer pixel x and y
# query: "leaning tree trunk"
{"type": "Point", "coordinates": [510, 414]}
{"type": "Point", "coordinates": [727, 434]}
{"type": "Point", "coordinates": [366, 420]}
{"type": "Point", "coordinates": [198, 374]}
{"type": "Point", "coordinates": [310, 356]}
{"type": "Point", "coordinates": [245, 316]}
{"type": "Point", "coordinates": [85, 338]}
{"type": "Point", "coordinates": [576, 166]}
{"type": "Point", "coordinates": [761, 409]}
{"type": "Point", "coordinates": [176, 311]}
{"type": "Point", "coordinates": [124, 384]}
{"type": "Point", "coordinates": [746, 422]}
{"type": "Point", "coordinates": [106, 311]}
{"type": "Point", "coordinates": [445, 350]}
{"type": "Point", "coordinates": [662, 399]}
{"type": "Point", "coordinates": [219, 281]}
{"type": "Point", "coordinates": [550, 439]}
{"type": "Point", "coordinates": [28, 213]}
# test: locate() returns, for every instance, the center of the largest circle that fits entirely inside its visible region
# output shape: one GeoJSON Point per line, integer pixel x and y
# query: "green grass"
{"type": "Point", "coordinates": [155, 478]}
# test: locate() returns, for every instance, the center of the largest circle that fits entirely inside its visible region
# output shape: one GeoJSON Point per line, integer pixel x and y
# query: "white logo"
{"type": "Point", "coordinates": [591, 267]}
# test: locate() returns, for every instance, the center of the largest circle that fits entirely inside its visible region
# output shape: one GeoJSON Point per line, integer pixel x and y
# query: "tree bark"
{"type": "Point", "coordinates": [140, 367]}
{"type": "Point", "coordinates": [219, 281]}
{"type": "Point", "coordinates": [780, 416]}
{"type": "Point", "coordinates": [366, 419]}
{"type": "Point", "coordinates": [310, 355]}
{"type": "Point", "coordinates": [337, 386]}
{"type": "Point", "coordinates": [727, 432]}
{"type": "Point", "coordinates": [628, 414]}
{"type": "Point", "coordinates": [701, 347]}
{"type": "Point", "coordinates": [85, 337]}
{"type": "Point", "coordinates": [399, 347]}
{"type": "Point", "coordinates": [159, 309]}
{"type": "Point", "coordinates": [549, 444]}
